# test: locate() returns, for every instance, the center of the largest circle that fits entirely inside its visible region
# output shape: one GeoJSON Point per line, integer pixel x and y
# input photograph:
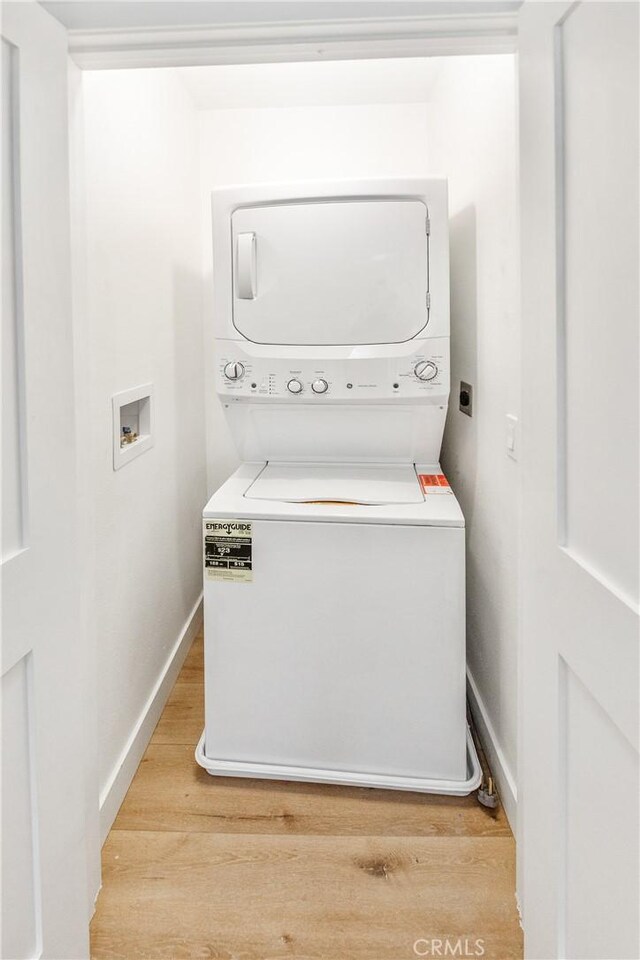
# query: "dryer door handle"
{"type": "Point", "coordinates": [246, 266]}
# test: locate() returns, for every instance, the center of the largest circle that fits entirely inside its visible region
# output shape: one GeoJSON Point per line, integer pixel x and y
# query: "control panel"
{"type": "Point", "coordinates": [420, 374]}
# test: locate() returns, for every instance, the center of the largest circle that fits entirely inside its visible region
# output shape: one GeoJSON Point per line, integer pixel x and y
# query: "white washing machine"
{"type": "Point", "coordinates": [334, 556]}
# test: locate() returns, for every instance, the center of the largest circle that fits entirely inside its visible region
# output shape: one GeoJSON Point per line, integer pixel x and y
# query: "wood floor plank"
{"type": "Point", "coordinates": [171, 792]}
{"type": "Point", "coordinates": [193, 666]}
{"type": "Point", "coordinates": [182, 719]}
{"type": "Point", "coordinates": [260, 897]}
{"type": "Point", "coordinates": [199, 866]}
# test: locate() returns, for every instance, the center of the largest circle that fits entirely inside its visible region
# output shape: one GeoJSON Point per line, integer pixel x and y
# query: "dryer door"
{"type": "Point", "coordinates": [331, 272]}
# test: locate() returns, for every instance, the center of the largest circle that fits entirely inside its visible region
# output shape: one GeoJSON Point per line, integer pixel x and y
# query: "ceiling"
{"type": "Point", "coordinates": [313, 83]}
{"type": "Point", "coordinates": [132, 14]}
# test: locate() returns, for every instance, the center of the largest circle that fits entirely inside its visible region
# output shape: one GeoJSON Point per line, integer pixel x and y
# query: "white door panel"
{"type": "Point", "coordinates": [600, 286]}
{"type": "Point", "coordinates": [13, 409]}
{"type": "Point", "coordinates": [44, 863]}
{"type": "Point", "coordinates": [342, 272]}
{"type": "Point", "coordinates": [578, 871]}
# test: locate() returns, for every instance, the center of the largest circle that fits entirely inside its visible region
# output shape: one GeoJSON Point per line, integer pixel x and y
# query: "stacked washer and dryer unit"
{"type": "Point", "coordinates": [334, 588]}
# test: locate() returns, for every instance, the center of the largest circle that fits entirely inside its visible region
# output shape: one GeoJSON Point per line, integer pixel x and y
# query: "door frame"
{"type": "Point", "coordinates": [348, 39]}
{"type": "Point", "coordinates": [482, 33]}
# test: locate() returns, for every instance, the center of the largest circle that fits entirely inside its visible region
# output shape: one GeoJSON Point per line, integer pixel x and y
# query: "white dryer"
{"type": "Point", "coordinates": [334, 556]}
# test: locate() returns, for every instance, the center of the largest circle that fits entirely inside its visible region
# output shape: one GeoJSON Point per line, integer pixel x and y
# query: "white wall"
{"type": "Point", "coordinates": [473, 142]}
{"type": "Point", "coordinates": [300, 143]}
{"type": "Point", "coordinates": [142, 322]}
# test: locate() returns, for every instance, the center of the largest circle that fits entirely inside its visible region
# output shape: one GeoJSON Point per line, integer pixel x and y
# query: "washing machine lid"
{"type": "Point", "coordinates": [337, 483]}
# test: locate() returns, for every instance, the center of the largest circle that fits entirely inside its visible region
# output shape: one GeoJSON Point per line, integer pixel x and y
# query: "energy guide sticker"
{"type": "Point", "coordinates": [228, 546]}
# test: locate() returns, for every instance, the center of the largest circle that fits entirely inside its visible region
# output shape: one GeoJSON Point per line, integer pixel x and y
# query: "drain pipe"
{"type": "Point", "coordinates": [487, 793]}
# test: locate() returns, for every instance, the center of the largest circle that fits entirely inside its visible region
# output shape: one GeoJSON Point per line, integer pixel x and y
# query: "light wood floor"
{"type": "Point", "coordinates": [197, 866]}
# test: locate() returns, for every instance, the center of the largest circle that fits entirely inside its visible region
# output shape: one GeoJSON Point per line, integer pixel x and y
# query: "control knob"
{"type": "Point", "coordinates": [294, 386]}
{"type": "Point", "coordinates": [425, 370]}
{"type": "Point", "coordinates": [234, 370]}
{"type": "Point", "coordinates": [320, 386]}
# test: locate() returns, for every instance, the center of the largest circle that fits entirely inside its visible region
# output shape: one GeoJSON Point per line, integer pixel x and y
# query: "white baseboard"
{"type": "Point", "coordinates": [495, 755]}
{"type": "Point", "coordinates": [123, 772]}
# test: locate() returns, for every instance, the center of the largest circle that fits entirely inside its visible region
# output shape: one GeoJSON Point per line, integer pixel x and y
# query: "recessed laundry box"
{"type": "Point", "coordinates": [334, 556]}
